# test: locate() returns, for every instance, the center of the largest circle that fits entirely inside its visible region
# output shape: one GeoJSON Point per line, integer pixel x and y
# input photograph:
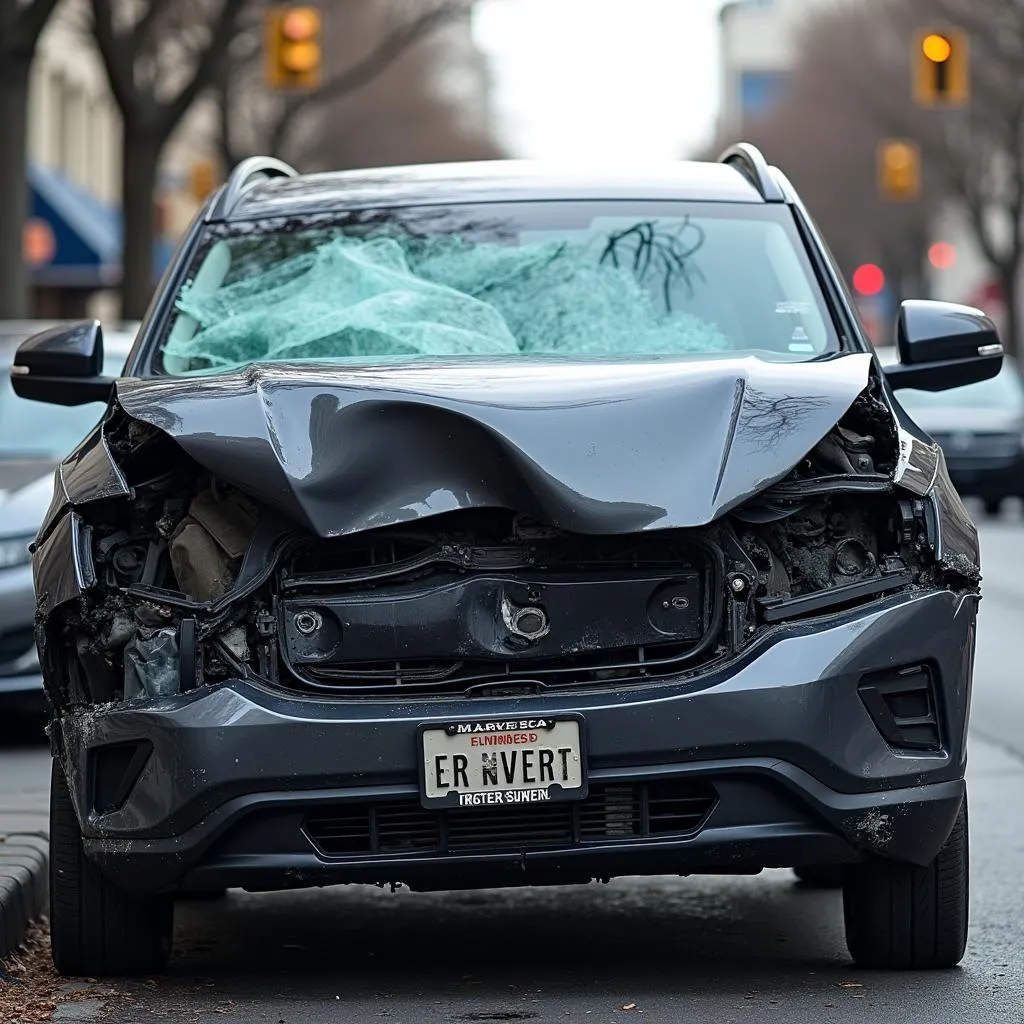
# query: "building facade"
{"type": "Point", "coordinates": [756, 55]}
{"type": "Point", "coordinates": [73, 234]}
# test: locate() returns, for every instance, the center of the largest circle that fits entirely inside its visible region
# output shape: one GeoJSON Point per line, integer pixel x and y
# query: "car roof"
{"type": "Point", "coordinates": [491, 181]}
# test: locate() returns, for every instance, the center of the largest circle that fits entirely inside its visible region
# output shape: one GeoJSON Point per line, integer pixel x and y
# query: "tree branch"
{"type": "Point", "coordinates": [206, 69]}
{"type": "Point", "coordinates": [32, 19]}
{"type": "Point", "coordinates": [390, 48]}
{"type": "Point", "coordinates": [117, 58]}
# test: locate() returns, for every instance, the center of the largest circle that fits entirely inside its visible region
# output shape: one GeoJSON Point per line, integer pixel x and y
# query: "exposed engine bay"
{"type": "Point", "coordinates": [198, 581]}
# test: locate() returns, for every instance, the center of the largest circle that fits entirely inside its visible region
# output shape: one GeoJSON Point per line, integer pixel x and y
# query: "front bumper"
{"type": "Point", "coordinates": [799, 770]}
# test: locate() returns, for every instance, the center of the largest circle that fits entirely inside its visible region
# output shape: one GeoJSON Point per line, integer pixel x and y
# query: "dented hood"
{"type": "Point", "coordinates": [592, 447]}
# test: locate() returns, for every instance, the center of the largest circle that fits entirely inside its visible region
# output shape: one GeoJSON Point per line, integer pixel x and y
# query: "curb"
{"type": "Point", "coordinates": [24, 884]}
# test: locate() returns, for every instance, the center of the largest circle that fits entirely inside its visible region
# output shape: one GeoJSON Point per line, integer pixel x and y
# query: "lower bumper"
{"type": "Point", "coordinates": [764, 815]}
{"type": "Point", "coordinates": [799, 769]}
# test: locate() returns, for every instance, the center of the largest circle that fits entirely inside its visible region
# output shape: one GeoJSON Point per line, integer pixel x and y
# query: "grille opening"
{"type": "Point", "coordinates": [462, 545]}
{"type": "Point", "coordinates": [611, 811]}
{"type": "Point", "coordinates": [903, 706]}
{"type": "Point", "coordinates": [377, 678]}
{"type": "Point", "coordinates": [115, 769]}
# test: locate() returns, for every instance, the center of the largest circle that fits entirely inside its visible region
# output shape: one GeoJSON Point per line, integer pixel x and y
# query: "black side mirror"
{"type": "Point", "coordinates": [63, 366]}
{"type": "Point", "coordinates": [943, 345]}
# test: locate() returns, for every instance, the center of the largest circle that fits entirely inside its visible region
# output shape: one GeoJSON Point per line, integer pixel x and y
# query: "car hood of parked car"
{"type": "Point", "coordinates": [595, 447]}
{"type": "Point", "coordinates": [944, 419]}
{"type": "Point", "coordinates": [26, 487]}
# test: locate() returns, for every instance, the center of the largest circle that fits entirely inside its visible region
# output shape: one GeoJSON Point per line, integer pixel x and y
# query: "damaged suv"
{"type": "Point", "coordinates": [487, 525]}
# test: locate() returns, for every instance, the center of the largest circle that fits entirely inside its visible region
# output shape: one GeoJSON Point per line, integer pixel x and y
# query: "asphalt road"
{"type": "Point", "coordinates": [700, 950]}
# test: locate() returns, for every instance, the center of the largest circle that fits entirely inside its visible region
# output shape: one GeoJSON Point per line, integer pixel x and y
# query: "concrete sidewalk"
{"type": "Point", "coordinates": [24, 829]}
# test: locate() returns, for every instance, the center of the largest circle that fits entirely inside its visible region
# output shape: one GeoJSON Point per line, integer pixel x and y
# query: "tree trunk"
{"type": "Point", "coordinates": [139, 161]}
{"type": "Point", "coordinates": [14, 78]}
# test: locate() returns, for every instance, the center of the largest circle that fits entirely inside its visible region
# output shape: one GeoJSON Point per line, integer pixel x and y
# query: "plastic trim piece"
{"type": "Point", "coordinates": [750, 162]}
{"type": "Point", "coordinates": [248, 173]}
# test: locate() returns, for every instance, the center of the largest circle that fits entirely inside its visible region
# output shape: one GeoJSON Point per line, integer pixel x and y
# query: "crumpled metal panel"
{"type": "Point", "coordinates": [592, 447]}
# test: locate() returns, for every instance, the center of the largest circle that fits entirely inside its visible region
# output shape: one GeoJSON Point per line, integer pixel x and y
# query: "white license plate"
{"type": "Point", "coordinates": [503, 762]}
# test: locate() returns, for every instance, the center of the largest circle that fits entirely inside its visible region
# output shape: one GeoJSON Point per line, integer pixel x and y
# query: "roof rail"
{"type": "Point", "coordinates": [248, 173]}
{"type": "Point", "coordinates": [750, 162]}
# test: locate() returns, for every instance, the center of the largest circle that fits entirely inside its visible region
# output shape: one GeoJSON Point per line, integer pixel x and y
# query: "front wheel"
{"type": "Point", "coordinates": [903, 916]}
{"type": "Point", "coordinates": [95, 927]}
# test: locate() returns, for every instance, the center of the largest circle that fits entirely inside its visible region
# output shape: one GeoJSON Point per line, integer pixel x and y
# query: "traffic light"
{"type": "Point", "coordinates": [941, 255]}
{"type": "Point", "coordinates": [202, 179]}
{"type": "Point", "coordinates": [899, 170]}
{"type": "Point", "coordinates": [292, 55]}
{"type": "Point", "coordinates": [868, 279]}
{"type": "Point", "coordinates": [941, 63]}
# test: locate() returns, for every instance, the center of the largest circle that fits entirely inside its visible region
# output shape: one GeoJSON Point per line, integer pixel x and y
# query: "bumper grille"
{"type": "Point", "coordinates": [904, 707]}
{"type": "Point", "coordinates": [610, 812]}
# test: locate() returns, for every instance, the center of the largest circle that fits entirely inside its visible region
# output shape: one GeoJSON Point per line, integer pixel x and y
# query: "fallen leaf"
{"type": "Point", "coordinates": [628, 1006]}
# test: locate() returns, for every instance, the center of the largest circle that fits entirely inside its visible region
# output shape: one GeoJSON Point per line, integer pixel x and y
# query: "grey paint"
{"type": "Point", "coordinates": [593, 447]}
{"type": "Point", "coordinates": [789, 707]}
{"type": "Point", "coordinates": [487, 181]}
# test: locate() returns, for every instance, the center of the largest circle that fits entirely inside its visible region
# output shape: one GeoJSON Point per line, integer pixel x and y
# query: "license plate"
{"type": "Point", "coordinates": [502, 762]}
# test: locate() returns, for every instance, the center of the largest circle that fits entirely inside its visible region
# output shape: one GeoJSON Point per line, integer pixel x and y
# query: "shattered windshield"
{"type": "Point", "coordinates": [574, 279]}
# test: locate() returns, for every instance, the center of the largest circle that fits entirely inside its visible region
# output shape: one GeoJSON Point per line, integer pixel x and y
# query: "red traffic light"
{"type": "Point", "coordinates": [868, 279]}
{"type": "Point", "coordinates": [941, 255]}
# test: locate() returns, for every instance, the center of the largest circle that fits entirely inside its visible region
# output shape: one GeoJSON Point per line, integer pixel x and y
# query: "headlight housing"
{"type": "Point", "coordinates": [14, 551]}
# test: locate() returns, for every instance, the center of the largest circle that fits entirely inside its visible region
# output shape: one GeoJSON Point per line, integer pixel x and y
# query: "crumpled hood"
{"type": "Point", "coordinates": [592, 447]}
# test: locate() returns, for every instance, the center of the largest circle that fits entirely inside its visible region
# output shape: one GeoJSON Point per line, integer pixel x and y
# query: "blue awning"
{"type": "Point", "coordinates": [83, 245]}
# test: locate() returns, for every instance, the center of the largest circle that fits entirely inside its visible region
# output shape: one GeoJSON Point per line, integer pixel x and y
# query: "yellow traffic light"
{"type": "Point", "coordinates": [899, 170]}
{"type": "Point", "coordinates": [293, 55]}
{"type": "Point", "coordinates": [202, 179]}
{"type": "Point", "coordinates": [941, 63]}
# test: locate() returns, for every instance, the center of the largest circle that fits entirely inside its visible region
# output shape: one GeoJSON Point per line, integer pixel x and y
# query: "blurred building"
{"type": "Point", "coordinates": [757, 51]}
{"type": "Point", "coordinates": [72, 238]}
{"type": "Point", "coordinates": [73, 235]}
{"type": "Point", "coordinates": [756, 55]}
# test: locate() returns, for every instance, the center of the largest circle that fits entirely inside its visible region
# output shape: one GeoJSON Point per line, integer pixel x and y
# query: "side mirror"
{"type": "Point", "coordinates": [943, 345]}
{"type": "Point", "coordinates": [63, 366]}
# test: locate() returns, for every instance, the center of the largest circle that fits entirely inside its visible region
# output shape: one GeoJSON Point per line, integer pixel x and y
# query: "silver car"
{"type": "Point", "coordinates": [33, 439]}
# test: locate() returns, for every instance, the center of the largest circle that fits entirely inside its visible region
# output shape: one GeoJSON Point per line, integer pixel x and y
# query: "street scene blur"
{"type": "Point", "coordinates": [509, 510]}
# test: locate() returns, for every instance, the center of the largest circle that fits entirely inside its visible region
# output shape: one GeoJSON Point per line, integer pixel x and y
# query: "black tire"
{"type": "Point", "coordinates": [822, 876]}
{"type": "Point", "coordinates": [901, 916]}
{"type": "Point", "coordinates": [992, 506]}
{"type": "Point", "coordinates": [97, 929]}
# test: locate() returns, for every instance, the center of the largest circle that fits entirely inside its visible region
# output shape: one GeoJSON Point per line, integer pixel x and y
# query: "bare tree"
{"type": "Point", "coordinates": [979, 152]}
{"type": "Point", "coordinates": [21, 24]}
{"type": "Point", "coordinates": [825, 137]}
{"type": "Point", "coordinates": [974, 156]}
{"type": "Point", "coordinates": [364, 43]}
{"type": "Point", "coordinates": [158, 62]}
